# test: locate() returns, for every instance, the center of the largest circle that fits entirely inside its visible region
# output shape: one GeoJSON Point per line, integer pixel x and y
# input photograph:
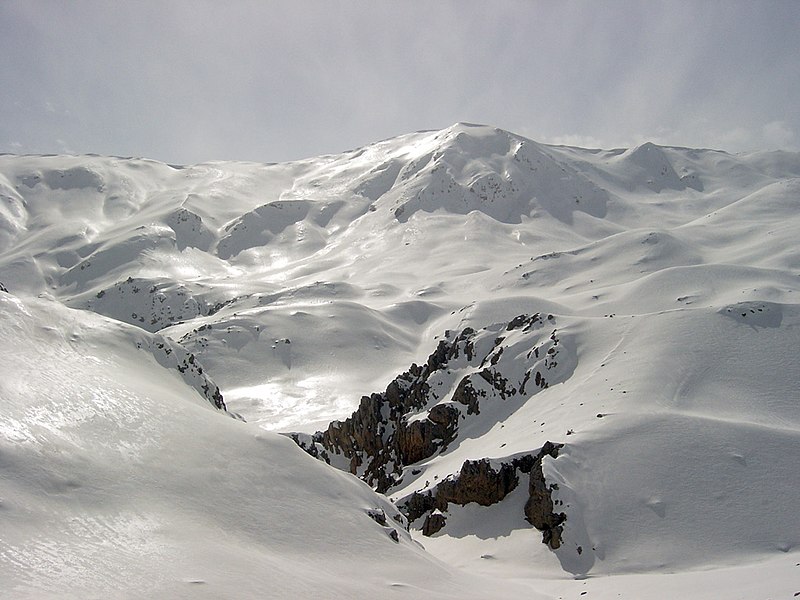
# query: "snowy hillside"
{"type": "Point", "coordinates": [517, 343]}
{"type": "Point", "coordinates": [119, 481]}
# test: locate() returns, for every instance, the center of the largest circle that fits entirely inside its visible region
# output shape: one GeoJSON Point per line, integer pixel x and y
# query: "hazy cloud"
{"type": "Point", "coordinates": [581, 141]}
{"type": "Point", "coordinates": [779, 134]}
{"type": "Point", "coordinates": [185, 81]}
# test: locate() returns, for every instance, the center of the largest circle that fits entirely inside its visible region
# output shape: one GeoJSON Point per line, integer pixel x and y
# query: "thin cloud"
{"type": "Point", "coordinates": [779, 134]}
{"type": "Point", "coordinates": [192, 81]}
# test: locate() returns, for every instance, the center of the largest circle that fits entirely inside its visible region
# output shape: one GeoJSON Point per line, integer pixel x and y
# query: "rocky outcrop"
{"type": "Point", "coordinates": [379, 439]}
{"type": "Point", "coordinates": [418, 440]}
{"type": "Point", "coordinates": [470, 376]}
{"type": "Point", "coordinates": [486, 483]}
{"type": "Point", "coordinates": [478, 481]}
{"type": "Point", "coordinates": [434, 523]}
{"type": "Point", "coordinates": [539, 509]}
{"type": "Point", "coordinates": [379, 516]}
{"type": "Point", "coordinates": [411, 420]}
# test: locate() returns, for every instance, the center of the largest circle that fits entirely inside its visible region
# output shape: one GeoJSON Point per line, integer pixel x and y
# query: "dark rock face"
{"type": "Point", "coordinates": [433, 524]}
{"type": "Point", "coordinates": [539, 509]}
{"type": "Point", "coordinates": [212, 392]}
{"type": "Point", "coordinates": [378, 439]}
{"type": "Point", "coordinates": [377, 515]}
{"type": "Point", "coordinates": [421, 439]}
{"type": "Point", "coordinates": [419, 414]}
{"type": "Point", "coordinates": [467, 395]}
{"type": "Point", "coordinates": [481, 482]}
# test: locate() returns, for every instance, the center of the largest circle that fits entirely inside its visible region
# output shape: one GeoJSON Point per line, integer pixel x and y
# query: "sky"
{"type": "Point", "coordinates": [268, 81]}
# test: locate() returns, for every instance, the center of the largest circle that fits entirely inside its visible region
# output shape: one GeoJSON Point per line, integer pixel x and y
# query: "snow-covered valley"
{"type": "Point", "coordinates": [516, 343]}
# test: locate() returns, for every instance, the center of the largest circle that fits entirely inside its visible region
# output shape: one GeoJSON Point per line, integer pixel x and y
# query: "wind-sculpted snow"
{"type": "Point", "coordinates": [147, 303]}
{"type": "Point", "coordinates": [259, 227]}
{"type": "Point", "coordinates": [114, 258]}
{"type": "Point", "coordinates": [13, 216]}
{"type": "Point", "coordinates": [500, 175]}
{"type": "Point", "coordinates": [190, 230]}
{"type": "Point", "coordinates": [651, 164]}
{"type": "Point", "coordinates": [165, 352]}
{"type": "Point", "coordinates": [172, 356]}
{"type": "Point", "coordinates": [649, 427]}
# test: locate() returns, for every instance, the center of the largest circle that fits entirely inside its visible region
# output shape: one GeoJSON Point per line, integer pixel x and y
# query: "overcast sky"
{"type": "Point", "coordinates": [188, 81]}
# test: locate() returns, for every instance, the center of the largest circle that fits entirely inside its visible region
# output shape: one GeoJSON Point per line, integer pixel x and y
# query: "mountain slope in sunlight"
{"type": "Point", "coordinates": [516, 342]}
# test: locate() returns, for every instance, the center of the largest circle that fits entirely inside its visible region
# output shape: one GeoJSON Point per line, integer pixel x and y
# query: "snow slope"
{"type": "Point", "coordinates": [671, 276]}
{"type": "Point", "coordinates": [118, 480]}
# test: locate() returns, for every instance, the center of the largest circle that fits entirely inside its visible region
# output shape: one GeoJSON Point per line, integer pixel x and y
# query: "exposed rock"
{"type": "Point", "coordinates": [434, 523]}
{"type": "Point", "coordinates": [477, 481]}
{"type": "Point", "coordinates": [524, 322]}
{"type": "Point", "coordinates": [480, 482]}
{"type": "Point", "coordinates": [467, 395]}
{"type": "Point", "coordinates": [498, 382]}
{"type": "Point", "coordinates": [378, 439]}
{"type": "Point", "coordinates": [421, 439]}
{"type": "Point", "coordinates": [539, 509]}
{"type": "Point", "coordinates": [419, 414]}
{"type": "Point", "coordinates": [418, 504]}
{"type": "Point", "coordinates": [391, 430]}
{"type": "Point", "coordinates": [377, 515]}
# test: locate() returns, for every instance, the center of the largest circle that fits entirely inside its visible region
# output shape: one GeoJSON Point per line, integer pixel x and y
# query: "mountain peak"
{"type": "Point", "coordinates": [518, 341]}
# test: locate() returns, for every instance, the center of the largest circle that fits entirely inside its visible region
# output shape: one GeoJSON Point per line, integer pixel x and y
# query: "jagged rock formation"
{"type": "Point", "coordinates": [485, 483]}
{"type": "Point", "coordinates": [378, 439]}
{"type": "Point", "coordinates": [539, 509]}
{"type": "Point", "coordinates": [410, 421]}
{"type": "Point", "coordinates": [421, 411]}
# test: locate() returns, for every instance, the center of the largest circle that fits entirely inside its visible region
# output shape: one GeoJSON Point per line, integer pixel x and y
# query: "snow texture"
{"type": "Point", "coordinates": [144, 305]}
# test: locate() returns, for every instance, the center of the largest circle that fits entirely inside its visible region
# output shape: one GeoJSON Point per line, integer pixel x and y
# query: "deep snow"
{"type": "Point", "coordinates": [673, 274]}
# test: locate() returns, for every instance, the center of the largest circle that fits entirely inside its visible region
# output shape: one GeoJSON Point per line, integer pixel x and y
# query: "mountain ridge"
{"type": "Point", "coordinates": [663, 425]}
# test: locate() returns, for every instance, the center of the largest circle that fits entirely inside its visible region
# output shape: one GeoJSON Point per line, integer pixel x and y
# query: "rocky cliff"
{"type": "Point", "coordinates": [468, 383]}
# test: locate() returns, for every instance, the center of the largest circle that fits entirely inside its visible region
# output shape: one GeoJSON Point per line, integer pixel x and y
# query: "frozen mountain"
{"type": "Point", "coordinates": [563, 370]}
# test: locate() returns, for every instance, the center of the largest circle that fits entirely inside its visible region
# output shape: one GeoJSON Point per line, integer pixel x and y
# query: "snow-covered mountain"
{"type": "Point", "coordinates": [517, 343]}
